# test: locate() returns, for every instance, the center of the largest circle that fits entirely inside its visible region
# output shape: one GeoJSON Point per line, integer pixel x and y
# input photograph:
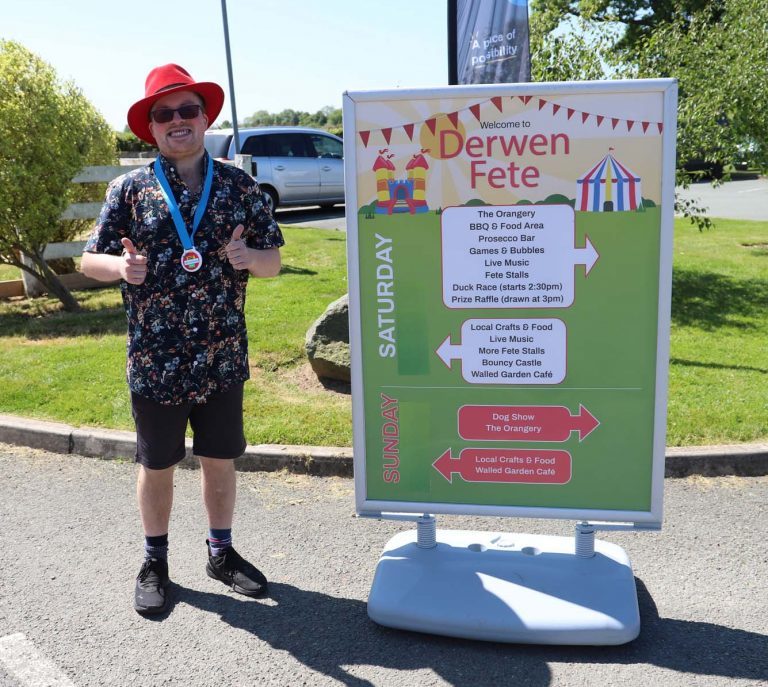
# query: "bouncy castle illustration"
{"type": "Point", "coordinates": [607, 187]}
{"type": "Point", "coordinates": [401, 195]}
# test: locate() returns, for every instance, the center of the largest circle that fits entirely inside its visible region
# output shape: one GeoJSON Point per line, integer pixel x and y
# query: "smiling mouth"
{"type": "Point", "coordinates": [179, 132]}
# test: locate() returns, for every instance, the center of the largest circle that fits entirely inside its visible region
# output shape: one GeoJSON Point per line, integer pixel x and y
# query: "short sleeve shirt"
{"type": "Point", "coordinates": [186, 330]}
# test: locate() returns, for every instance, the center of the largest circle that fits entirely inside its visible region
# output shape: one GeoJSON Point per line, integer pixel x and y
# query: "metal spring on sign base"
{"type": "Point", "coordinates": [426, 532]}
{"type": "Point", "coordinates": [585, 540]}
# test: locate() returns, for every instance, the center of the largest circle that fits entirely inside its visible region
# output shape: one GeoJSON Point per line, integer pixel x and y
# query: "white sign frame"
{"type": "Point", "coordinates": [650, 519]}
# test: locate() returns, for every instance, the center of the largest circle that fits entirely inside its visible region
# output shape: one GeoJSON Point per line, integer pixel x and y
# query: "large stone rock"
{"type": "Point", "coordinates": [327, 342]}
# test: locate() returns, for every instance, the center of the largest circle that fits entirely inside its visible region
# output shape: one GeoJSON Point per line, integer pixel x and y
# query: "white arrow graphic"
{"type": "Point", "coordinates": [587, 256]}
{"type": "Point", "coordinates": [512, 258]}
{"type": "Point", "coordinates": [447, 351]}
{"type": "Point", "coordinates": [491, 353]}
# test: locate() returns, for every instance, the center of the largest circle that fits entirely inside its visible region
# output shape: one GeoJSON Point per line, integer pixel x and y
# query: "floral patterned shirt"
{"type": "Point", "coordinates": [186, 330]}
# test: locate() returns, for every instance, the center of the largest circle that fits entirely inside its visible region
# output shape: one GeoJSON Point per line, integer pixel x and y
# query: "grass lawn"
{"type": "Point", "coordinates": [70, 368]}
{"type": "Point", "coordinates": [718, 385]}
{"type": "Point", "coordinates": [7, 272]}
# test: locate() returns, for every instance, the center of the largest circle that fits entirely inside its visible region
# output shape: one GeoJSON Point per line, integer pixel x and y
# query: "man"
{"type": "Point", "coordinates": [183, 234]}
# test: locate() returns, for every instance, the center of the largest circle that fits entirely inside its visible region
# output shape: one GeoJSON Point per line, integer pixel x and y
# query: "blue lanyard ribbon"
{"type": "Point", "coordinates": [181, 228]}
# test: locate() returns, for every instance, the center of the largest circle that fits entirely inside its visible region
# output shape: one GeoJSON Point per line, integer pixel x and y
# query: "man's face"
{"type": "Point", "coordinates": [179, 137]}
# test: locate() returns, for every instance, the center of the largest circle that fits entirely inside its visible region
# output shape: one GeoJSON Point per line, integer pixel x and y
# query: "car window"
{"type": "Point", "coordinates": [216, 144]}
{"type": "Point", "coordinates": [325, 146]}
{"type": "Point", "coordinates": [286, 145]}
{"type": "Point", "coordinates": [254, 145]}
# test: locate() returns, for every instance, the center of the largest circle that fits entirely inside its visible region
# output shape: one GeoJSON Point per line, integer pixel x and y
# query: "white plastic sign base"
{"type": "Point", "coordinates": [523, 588]}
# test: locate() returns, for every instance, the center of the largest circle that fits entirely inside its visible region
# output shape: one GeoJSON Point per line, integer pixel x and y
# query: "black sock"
{"type": "Point", "coordinates": [156, 547]}
{"type": "Point", "coordinates": [219, 540]}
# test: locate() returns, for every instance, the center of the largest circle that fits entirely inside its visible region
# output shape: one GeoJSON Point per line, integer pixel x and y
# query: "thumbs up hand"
{"type": "Point", "coordinates": [133, 266]}
{"type": "Point", "coordinates": [238, 232]}
{"type": "Point", "coordinates": [238, 254]}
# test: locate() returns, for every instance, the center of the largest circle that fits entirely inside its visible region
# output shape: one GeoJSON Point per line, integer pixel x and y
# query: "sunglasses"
{"type": "Point", "coordinates": [163, 115]}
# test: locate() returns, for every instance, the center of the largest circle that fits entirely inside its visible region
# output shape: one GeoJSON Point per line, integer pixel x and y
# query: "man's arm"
{"type": "Point", "coordinates": [260, 263]}
{"type": "Point", "coordinates": [265, 263]}
{"type": "Point", "coordinates": [129, 266]}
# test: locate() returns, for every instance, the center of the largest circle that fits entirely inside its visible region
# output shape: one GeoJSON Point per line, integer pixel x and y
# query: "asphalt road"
{"type": "Point", "coordinates": [740, 199]}
{"type": "Point", "coordinates": [72, 546]}
{"type": "Point", "coordinates": [332, 218]}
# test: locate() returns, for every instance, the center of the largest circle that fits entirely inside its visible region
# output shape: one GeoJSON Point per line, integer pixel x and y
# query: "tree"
{"type": "Point", "coordinates": [128, 142]}
{"type": "Point", "coordinates": [333, 115]}
{"type": "Point", "coordinates": [260, 118]}
{"type": "Point", "coordinates": [715, 48]}
{"type": "Point", "coordinates": [48, 132]}
{"type": "Point", "coordinates": [639, 19]}
{"type": "Point", "coordinates": [722, 70]}
{"type": "Point", "coordinates": [327, 118]}
{"type": "Point", "coordinates": [574, 55]}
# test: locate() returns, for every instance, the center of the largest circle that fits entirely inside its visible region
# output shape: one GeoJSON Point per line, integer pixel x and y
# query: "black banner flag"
{"type": "Point", "coordinates": [488, 41]}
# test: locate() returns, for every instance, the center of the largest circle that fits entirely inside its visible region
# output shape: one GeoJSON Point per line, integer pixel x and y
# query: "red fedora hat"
{"type": "Point", "coordinates": [166, 79]}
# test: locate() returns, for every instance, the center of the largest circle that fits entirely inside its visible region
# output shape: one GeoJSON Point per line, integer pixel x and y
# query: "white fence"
{"type": "Point", "coordinates": [30, 286]}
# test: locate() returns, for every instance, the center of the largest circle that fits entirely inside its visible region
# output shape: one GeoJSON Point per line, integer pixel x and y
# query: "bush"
{"type": "Point", "coordinates": [48, 132]}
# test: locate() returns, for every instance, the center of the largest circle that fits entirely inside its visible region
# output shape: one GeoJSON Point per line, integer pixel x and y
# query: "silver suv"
{"type": "Point", "coordinates": [293, 165]}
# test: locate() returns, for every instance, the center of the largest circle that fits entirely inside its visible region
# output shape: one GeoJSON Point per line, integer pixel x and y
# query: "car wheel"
{"type": "Point", "coordinates": [270, 197]}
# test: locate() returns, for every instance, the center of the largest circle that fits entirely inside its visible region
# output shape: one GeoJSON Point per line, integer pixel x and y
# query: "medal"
{"type": "Point", "coordinates": [191, 259]}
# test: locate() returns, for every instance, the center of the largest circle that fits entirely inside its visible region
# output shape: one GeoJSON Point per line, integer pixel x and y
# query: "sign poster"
{"type": "Point", "coordinates": [510, 269]}
{"type": "Point", "coordinates": [491, 41]}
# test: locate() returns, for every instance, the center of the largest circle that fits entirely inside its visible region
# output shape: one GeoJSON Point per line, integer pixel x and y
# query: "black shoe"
{"type": "Point", "coordinates": [149, 596]}
{"type": "Point", "coordinates": [235, 572]}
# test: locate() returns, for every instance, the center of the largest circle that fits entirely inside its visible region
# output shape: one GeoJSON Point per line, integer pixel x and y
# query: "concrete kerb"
{"type": "Point", "coordinates": [744, 460]}
{"type": "Point", "coordinates": [119, 445]}
{"type": "Point", "coordinates": [741, 459]}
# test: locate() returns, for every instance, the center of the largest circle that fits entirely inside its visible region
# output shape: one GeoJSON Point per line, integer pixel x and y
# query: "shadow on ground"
{"type": "Point", "coordinates": [36, 324]}
{"type": "Point", "coordinates": [333, 636]}
{"type": "Point", "coordinates": [304, 215]}
{"type": "Point", "coordinates": [337, 385]}
{"type": "Point", "coordinates": [716, 366]}
{"type": "Point", "coordinates": [708, 300]}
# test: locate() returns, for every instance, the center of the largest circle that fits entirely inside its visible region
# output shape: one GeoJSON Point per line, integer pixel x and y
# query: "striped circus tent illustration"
{"type": "Point", "coordinates": [609, 186]}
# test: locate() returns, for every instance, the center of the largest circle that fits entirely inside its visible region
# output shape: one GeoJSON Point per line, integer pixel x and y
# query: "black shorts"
{"type": "Point", "coordinates": [217, 427]}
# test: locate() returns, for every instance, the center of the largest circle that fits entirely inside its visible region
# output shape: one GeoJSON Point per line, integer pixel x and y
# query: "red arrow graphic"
{"type": "Point", "coordinates": [524, 423]}
{"type": "Point", "coordinates": [521, 466]}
